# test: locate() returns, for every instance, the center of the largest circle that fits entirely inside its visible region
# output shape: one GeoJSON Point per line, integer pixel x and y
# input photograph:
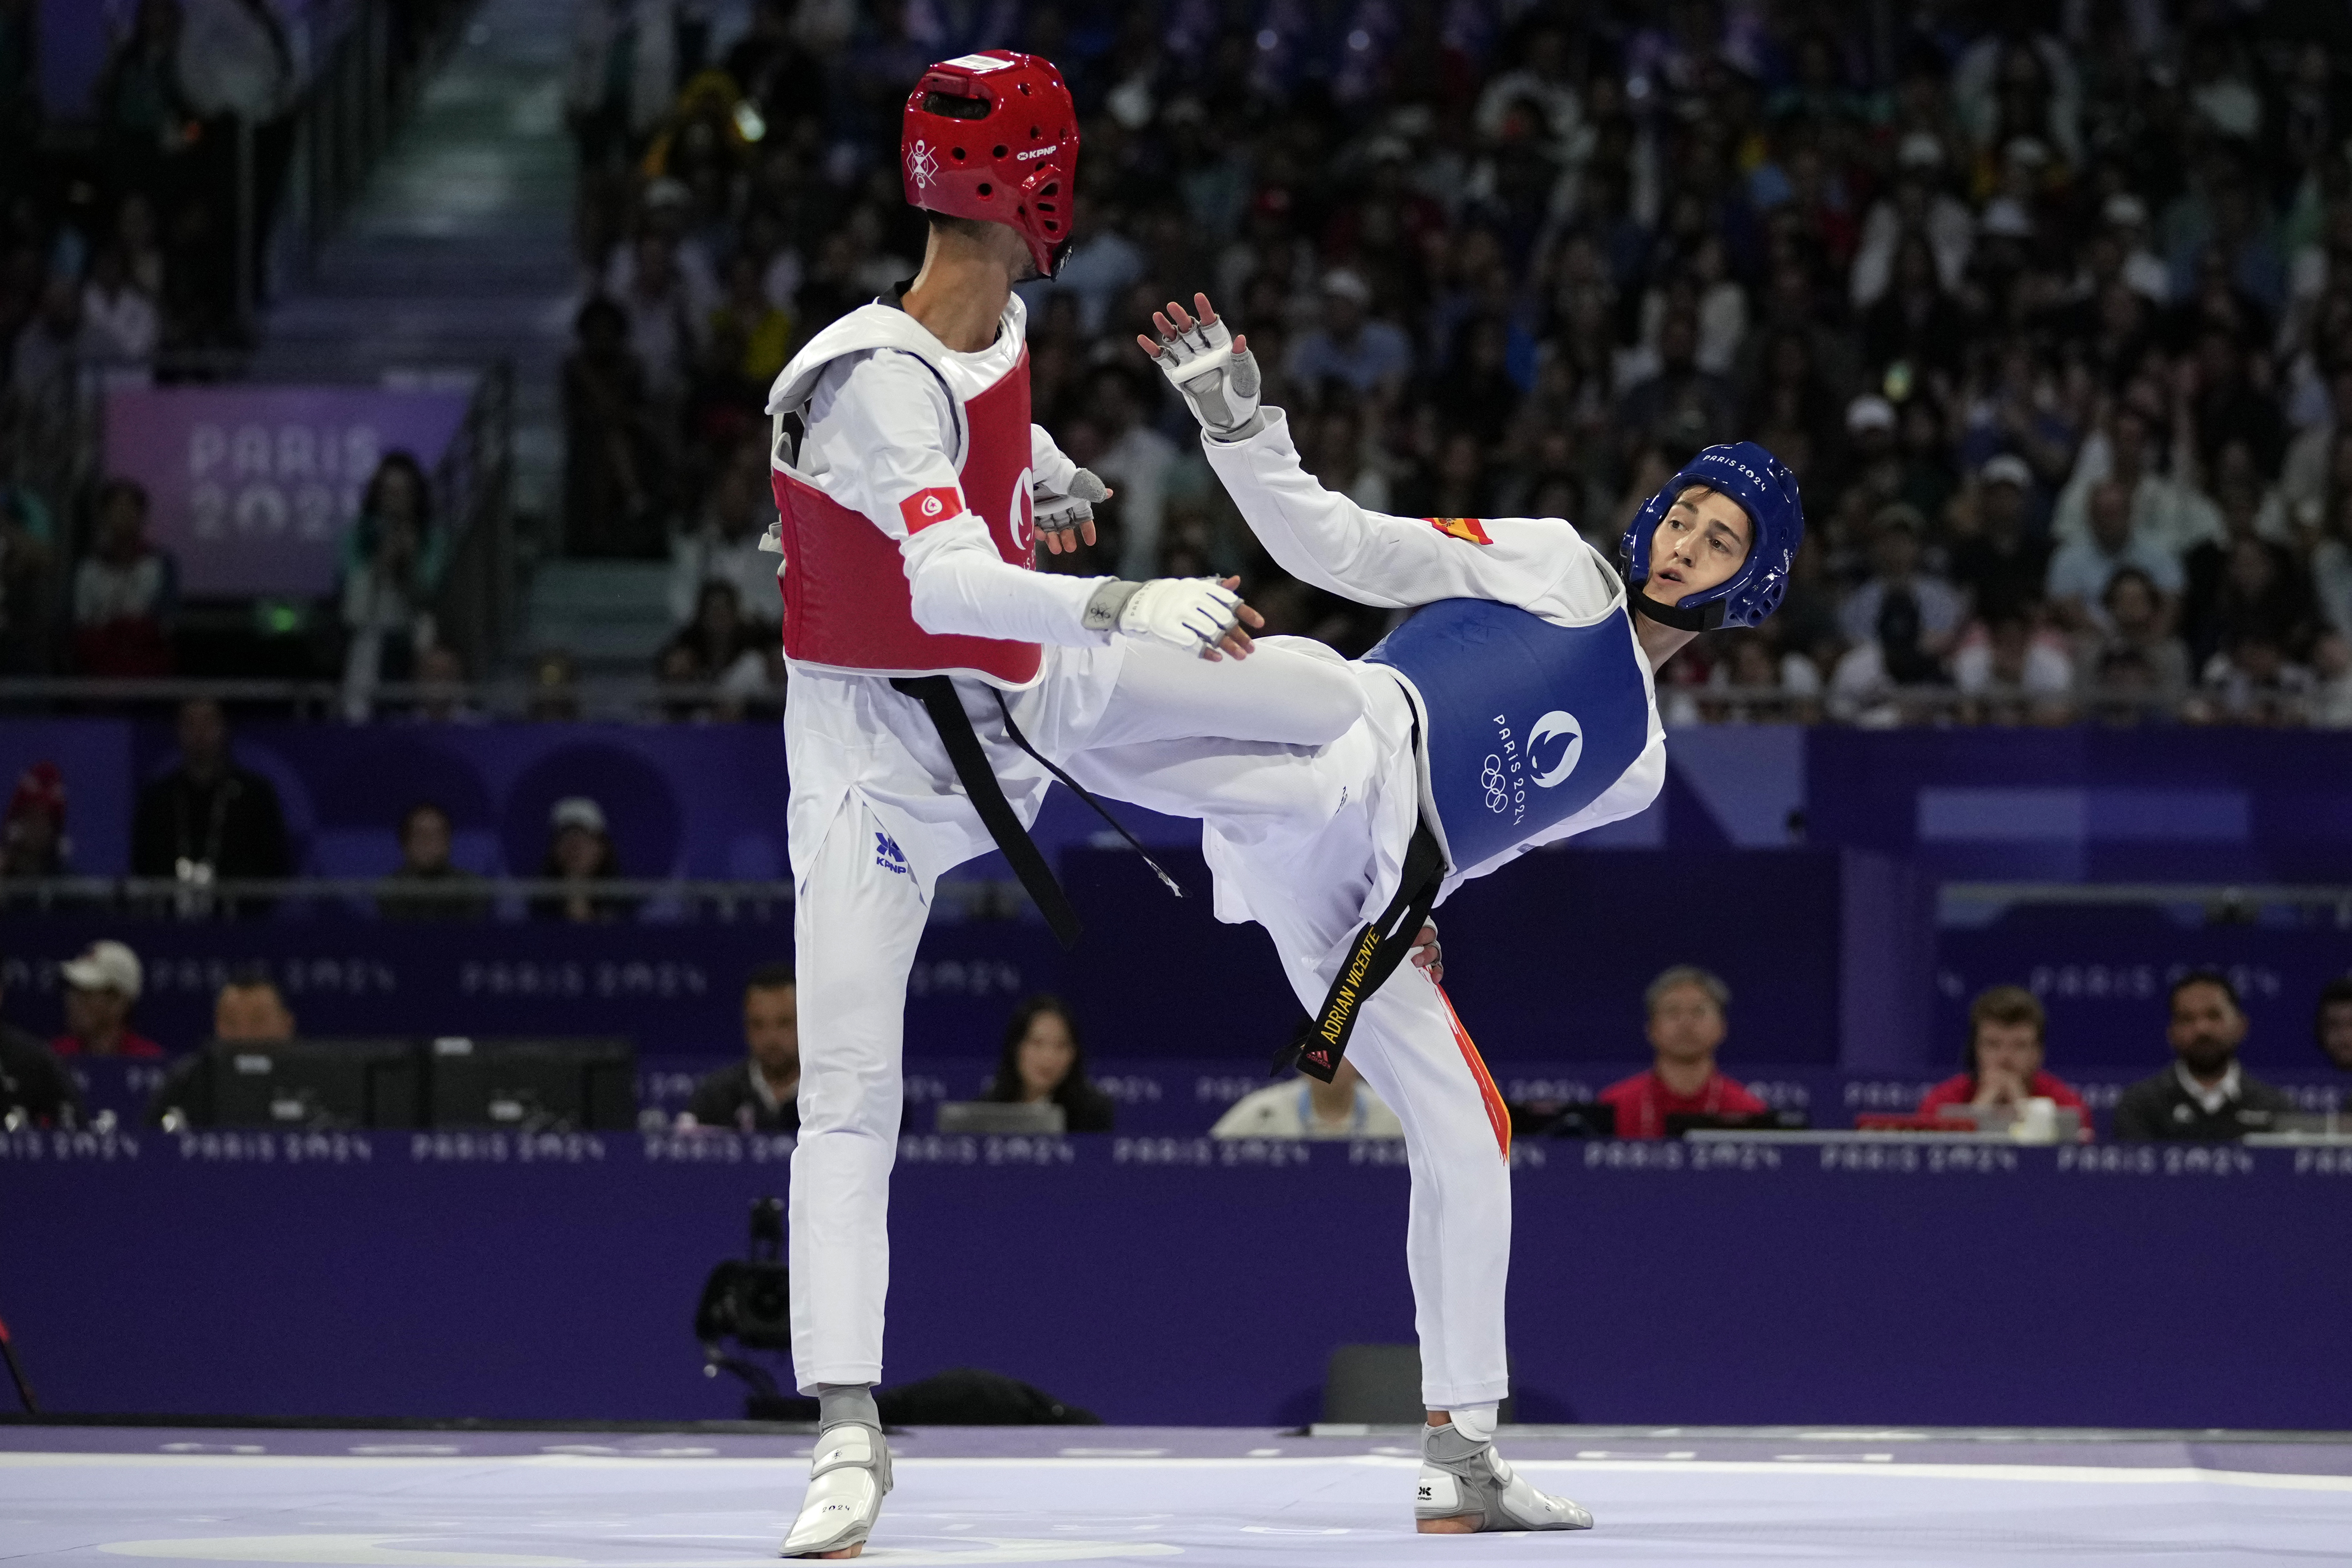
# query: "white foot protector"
{"type": "Point", "coordinates": [1464, 1477]}
{"type": "Point", "coordinates": [847, 1478]}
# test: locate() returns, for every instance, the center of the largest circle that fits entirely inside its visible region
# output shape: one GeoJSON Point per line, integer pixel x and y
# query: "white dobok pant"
{"type": "Point", "coordinates": [1310, 844]}
{"type": "Point", "coordinates": [875, 815]}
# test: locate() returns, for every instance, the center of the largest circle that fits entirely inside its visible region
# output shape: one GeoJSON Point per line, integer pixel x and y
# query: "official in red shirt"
{"type": "Point", "coordinates": [100, 986]}
{"type": "Point", "coordinates": [2005, 1036]}
{"type": "Point", "coordinates": [1687, 1024]}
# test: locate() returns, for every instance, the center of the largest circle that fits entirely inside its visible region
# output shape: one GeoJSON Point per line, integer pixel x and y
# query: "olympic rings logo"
{"type": "Point", "coordinates": [1496, 782]}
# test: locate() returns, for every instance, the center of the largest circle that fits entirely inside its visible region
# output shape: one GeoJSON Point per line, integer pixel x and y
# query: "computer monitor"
{"type": "Point", "coordinates": [1004, 1118]}
{"type": "Point", "coordinates": [533, 1085]}
{"type": "Point", "coordinates": [1679, 1123]}
{"type": "Point", "coordinates": [1563, 1119]}
{"type": "Point", "coordinates": [309, 1084]}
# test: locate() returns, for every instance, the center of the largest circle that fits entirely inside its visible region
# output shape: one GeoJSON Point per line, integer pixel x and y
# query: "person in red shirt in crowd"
{"type": "Point", "coordinates": [100, 987]}
{"type": "Point", "coordinates": [2005, 1038]}
{"type": "Point", "coordinates": [1686, 1007]}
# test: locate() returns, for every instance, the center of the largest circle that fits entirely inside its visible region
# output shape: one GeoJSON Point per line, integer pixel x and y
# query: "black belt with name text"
{"type": "Point", "coordinates": [1372, 957]}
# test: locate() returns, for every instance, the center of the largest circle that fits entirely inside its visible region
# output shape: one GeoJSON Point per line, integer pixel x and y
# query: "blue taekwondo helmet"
{"type": "Point", "coordinates": [1767, 491]}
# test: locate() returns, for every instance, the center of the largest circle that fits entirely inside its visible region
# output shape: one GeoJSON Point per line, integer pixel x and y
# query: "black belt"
{"type": "Point", "coordinates": [938, 695]}
{"type": "Point", "coordinates": [1372, 957]}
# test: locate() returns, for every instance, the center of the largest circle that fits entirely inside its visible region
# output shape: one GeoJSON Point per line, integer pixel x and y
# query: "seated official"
{"type": "Point", "coordinates": [2205, 1095]}
{"type": "Point", "coordinates": [1304, 1107]}
{"type": "Point", "coordinates": [420, 890]}
{"type": "Point", "coordinates": [2331, 1023]}
{"type": "Point", "coordinates": [249, 1008]}
{"type": "Point", "coordinates": [2006, 1028]}
{"type": "Point", "coordinates": [102, 987]}
{"type": "Point", "coordinates": [1043, 1060]}
{"type": "Point", "coordinates": [759, 1093]}
{"type": "Point", "coordinates": [1687, 1023]}
{"type": "Point", "coordinates": [36, 1090]}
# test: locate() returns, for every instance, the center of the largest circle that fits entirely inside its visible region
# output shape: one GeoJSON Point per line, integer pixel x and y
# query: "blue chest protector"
{"type": "Point", "coordinates": [1528, 722]}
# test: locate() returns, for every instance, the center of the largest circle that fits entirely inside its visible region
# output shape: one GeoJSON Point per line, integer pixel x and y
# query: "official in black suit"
{"type": "Point", "coordinates": [2205, 1096]}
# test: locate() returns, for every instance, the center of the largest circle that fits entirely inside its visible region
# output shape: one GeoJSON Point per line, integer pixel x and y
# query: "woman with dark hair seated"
{"type": "Point", "coordinates": [1044, 1061]}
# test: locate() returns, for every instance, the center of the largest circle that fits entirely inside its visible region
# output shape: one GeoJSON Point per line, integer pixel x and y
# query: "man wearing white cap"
{"type": "Point", "coordinates": [2003, 565]}
{"type": "Point", "coordinates": [100, 987]}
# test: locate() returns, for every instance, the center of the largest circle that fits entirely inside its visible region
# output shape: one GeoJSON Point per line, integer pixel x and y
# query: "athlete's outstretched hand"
{"type": "Point", "coordinates": [1213, 369]}
{"type": "Point", "coordinates": [1063, 519]}
{"type": "Point", "coordinates": [1196, 612]}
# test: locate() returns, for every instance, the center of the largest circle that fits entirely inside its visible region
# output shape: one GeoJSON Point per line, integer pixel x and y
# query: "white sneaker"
{"type": "Point", "coordinates": [847, 1478]}
{"type": "Point", "coordinates": [1463, 1477]}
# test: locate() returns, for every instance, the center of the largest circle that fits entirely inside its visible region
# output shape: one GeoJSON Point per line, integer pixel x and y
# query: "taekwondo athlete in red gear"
{"type": "Point", "coordinates": [923, 649]}
{"type": "Point", "coordinates": [1516, 708]}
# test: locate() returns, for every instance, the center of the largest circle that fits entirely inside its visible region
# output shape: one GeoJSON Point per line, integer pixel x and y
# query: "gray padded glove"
{"type": "Point", "coordinates": [1057, 511]}
{"type": "Point", "coordinates": [1220, 386]}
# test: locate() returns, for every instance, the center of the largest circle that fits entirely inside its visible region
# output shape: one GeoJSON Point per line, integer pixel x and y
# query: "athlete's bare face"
{"type": "Point", "coordinates": [1699, 544]}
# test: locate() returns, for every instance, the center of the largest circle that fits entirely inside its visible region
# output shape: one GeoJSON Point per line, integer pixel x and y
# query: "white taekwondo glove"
{"type": "Point", "coordinates": [1061, 512]}
{"type": "Point", "coordinates": [1220, 386]}
{"type": "Point", "coordinates": [1192, 613]}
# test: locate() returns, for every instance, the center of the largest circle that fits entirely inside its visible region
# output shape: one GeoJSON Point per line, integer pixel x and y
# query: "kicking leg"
{"type": "Point", "coordinates": [1285, 693]}
{"type": "Point", "coordinates": [858, 919]}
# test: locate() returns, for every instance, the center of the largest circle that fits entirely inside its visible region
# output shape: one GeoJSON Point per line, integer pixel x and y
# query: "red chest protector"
{"type": "Point", "coordinates": [847, 606]}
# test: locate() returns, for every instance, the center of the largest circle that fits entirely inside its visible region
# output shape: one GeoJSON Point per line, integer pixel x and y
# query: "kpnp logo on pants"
{"type": "Point", "coordinates": [889, 855]}
{"type": "Point", "coordinates": [925, 508]}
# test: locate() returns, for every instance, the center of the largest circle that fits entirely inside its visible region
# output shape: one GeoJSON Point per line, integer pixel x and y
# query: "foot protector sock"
{"type": "Point", "coordinates": [1462, 1476]}
{"type": "Point", "coordinates": [848, 1476]}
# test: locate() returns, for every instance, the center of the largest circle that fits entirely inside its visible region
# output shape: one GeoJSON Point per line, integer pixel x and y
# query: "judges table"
{"type": "Point", "coordinates": [1179, 1280]}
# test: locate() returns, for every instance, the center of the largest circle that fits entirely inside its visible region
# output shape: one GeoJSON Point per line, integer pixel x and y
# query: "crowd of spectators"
{"type": "Point", "coordinates": [2049, 308]}
{"type": "Point", "coordinates": [119, 239]}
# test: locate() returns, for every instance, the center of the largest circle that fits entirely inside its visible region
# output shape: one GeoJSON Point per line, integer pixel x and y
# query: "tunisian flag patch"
{"type": "Point", "coordinates": [1464, 529]}
{"type": "Point", "coordinates": [925, 508]}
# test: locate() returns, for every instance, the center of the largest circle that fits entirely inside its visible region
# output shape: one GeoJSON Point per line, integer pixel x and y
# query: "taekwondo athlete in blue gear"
{"type": "Point", "coordinates": [1517, 708]}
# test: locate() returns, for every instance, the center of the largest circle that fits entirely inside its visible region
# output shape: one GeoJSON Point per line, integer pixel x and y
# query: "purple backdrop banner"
{"type": "Point", "coordinates": [252, 488]}
{"type": "Point", "coordinates": [1176, 1280]}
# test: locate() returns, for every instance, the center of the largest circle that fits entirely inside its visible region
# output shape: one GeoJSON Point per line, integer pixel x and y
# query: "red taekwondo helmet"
{"type": "Point", "coordinates": [995, 136]}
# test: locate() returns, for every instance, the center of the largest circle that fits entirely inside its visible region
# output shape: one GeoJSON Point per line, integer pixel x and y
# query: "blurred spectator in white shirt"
{"type": "Point", "coordinates": [1134, 460]}
{"type": "Point", "coordinates": [2331, 664]}
{"type": "Point", "coordinates": [725, 547]}
{"type": "Point", "coordinates": [123, 592]}
{"type": "Point", "coordinates": [2082, 568]}
{"type": "Point", "coordinates": [2252, 681]}
{"type": "Point", "coordinates": [2013, 676]}
{"type": "Point", "coordinates": [120, 325]}
{"type": "Point", "coordinates": [1918, 204]}
{"type": "Point", "coordinates": [1308, 1108]}
{"type": "Point", "coordinates": [2167, 514]}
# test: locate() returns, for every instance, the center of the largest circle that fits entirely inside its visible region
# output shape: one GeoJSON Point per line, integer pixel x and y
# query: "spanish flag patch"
{"type": "Point", "coordinates": [1465, 529]}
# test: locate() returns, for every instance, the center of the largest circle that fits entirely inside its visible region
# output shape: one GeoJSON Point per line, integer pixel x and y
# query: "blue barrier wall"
{"type": "Point", "coordinates": [2174, 804]}
{"type": "Point", "coordinates": [1171, 1280]}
